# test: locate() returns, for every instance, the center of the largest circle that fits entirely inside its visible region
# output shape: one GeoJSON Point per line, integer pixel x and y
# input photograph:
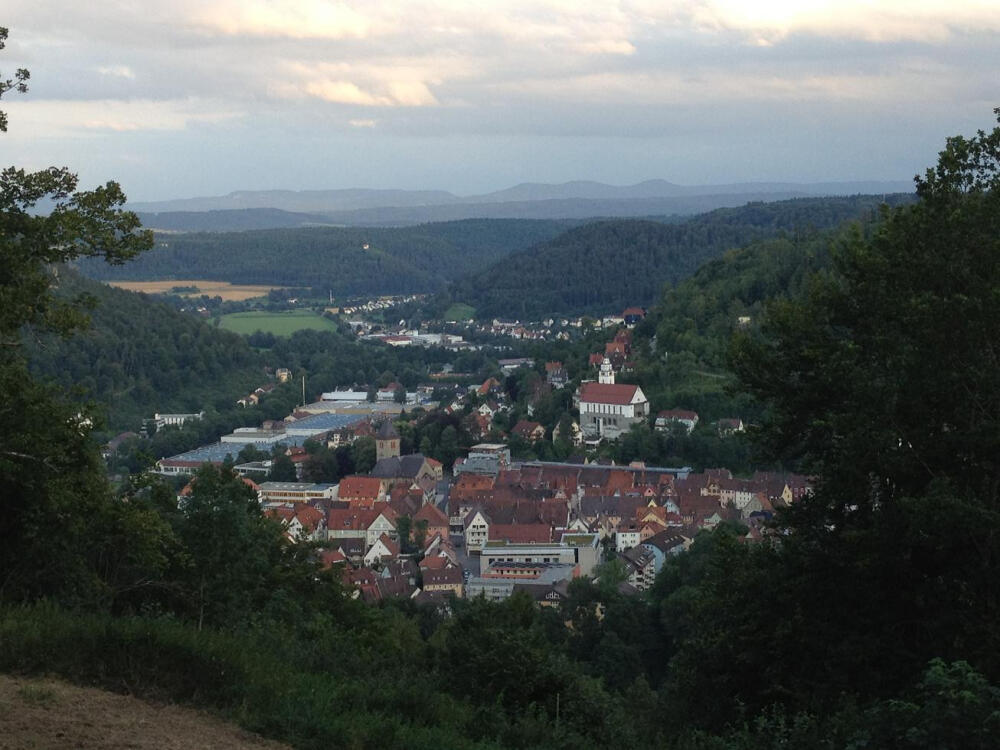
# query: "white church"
{"type": "Point", "coordinates": [608, 409]}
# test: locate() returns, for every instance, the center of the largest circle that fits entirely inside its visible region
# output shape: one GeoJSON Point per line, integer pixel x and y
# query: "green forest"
{"type": "Point", "coordinates": [607, 266]}
{"type": "Point", "coordinates": [140, 356]}
{"type": "Point", "coordinates": [866, 618]}
{"type": "Point", "coordinates": [342, 260]}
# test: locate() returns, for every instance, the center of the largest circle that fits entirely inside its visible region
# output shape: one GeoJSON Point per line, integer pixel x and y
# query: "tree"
{"type": "Point", "coordinates": [52, 473]}
{"type": "Point", "coordinates": [448, 447]}
{"type": "Point", "coordinates": [250, 453]}
{"type": "Point", "coordinates": [883, 379]}
{"type": "Point", "coordinates": [237, 561]}
{"type": "Point", "coordinates": [19, 83]}
{"type": "Point", "coordinates": [282, 468]}
{"type": "Point", "coordinates": [403, 526]}
{"type": "Point", "coordinates": [364, 454]}
{"type": "Point", "coordinates": [885, 375]}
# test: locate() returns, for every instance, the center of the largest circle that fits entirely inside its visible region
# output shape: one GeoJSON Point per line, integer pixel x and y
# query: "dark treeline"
{"type": "Point", "coordinates": [607, 266]}
{"type": "Point", "coordinates": [397, 260]}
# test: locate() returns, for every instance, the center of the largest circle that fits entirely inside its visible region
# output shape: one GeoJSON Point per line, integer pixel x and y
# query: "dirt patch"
{"type": "Point", "coordinates": [234, 292]}
{"type": "Point", "coordinates": [37, 714]}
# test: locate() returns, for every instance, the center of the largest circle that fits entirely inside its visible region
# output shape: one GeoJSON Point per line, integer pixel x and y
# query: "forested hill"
{"type": "Point", "coordinates": [235, 220]}
{"type": "Point", "coordinates": [140, 356]}
{"type": "Point", "coordinates": [609, 265]}
{"type": "Point", "coordinates": [344, 260]}
{"type": "Point", "coordinates": [699, 314]}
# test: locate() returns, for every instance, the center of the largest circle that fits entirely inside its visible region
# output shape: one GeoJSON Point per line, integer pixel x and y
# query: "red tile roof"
{"type": "Point", "coordinates": [432, 515]}
{"type": "Point", "coordinates": [443, 577]}
{"type": "Point", "coordinates": [434, 563]}
{"type": "Point", "coordinates": [360, 487]}
{"type": "Point", "coordinates": [608, 393]}
{"type": "Point", "coordinates": [520, 533]}
{"type": "Point", "coordinates": [331, 557]}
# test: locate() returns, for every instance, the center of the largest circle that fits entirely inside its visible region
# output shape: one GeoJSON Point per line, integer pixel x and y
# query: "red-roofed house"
{"type": "Point", "coordinates": [383, 549]}
{"type": "Point", "coordinates": [530, 431]}
{"type": "Point", "coordinates": [307, 523]}
{"type": "Point", "coordinates": [360, 524]}
{"type": "Point", "coordinates": [330, 557]}
{"type": "Point", "coordinates": [361, 492]}
{"type": "Point", "coordinates": [633, 315]}
{"type": "Point", "coordinates": [437, 521]}
{"type": "Point", "coordinates": [446, 580]}
{"type": "Point", "coordinates": [490, 385]}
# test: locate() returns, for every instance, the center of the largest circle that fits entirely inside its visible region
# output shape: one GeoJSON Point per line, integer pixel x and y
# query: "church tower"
{"type": "Point", "coordinates": [607, 373]}
{"type": "Point", "coordinates": [386, 441]}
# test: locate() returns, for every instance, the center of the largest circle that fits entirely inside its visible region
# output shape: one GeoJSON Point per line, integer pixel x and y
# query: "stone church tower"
{"type": "Point", "coordinates": [386, 441]}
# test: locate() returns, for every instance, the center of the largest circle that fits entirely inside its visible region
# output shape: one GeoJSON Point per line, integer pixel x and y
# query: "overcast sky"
{"type": "Point", "coordinates": [201, 97]}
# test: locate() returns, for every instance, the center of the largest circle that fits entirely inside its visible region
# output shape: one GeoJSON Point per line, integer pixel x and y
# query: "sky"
{"type": "Point", "coordinates": [202, 97]}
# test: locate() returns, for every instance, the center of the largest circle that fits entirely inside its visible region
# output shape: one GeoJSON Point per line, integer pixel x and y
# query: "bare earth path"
{"type": "Point", "coordinates": [38, 714]}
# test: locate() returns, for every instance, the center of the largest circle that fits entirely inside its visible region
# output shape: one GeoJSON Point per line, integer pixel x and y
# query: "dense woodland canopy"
{"type": "Point", "coordinates": [138, 356]}
{"type": "Point", "coordinates": [868, 620]}
{"type": "Point", "coordinates": [397, 260]}
{"type": "Point", "coordinates": [607, 266]}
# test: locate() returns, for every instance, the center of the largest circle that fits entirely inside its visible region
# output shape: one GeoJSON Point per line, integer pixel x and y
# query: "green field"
{"type": "Point", "coordinates": [278, 323]}
{"type": "Point", "coordinates": [459, 311]}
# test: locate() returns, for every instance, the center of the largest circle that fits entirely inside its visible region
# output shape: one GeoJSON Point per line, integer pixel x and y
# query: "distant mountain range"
{"type": "Point", "coordinates": [571, 200]}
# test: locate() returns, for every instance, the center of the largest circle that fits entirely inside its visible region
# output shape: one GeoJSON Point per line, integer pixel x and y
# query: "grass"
{"type": "Point", "coordinates": [278, 323]}
{"type": "Point", "coordinates": [267, 684]}
{"type": "Point", "coordinates": [38, 695]}
{"type": "Point", "coordinates": [459, 311]}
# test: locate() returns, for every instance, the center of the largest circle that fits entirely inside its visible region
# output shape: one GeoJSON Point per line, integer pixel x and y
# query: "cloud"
{"type": "Point", "coordinates": [46, 118]}
{"type": "Point", "coordinates": [391, 93]}
{"type": "Point", "coordinates": [765, 21]}
{"type": "Point", "coordinates": [117, 71]}
{"type": "Point", "coordinates": [544, 69]}
{"type": "Point", "coordinates": [298, 19]}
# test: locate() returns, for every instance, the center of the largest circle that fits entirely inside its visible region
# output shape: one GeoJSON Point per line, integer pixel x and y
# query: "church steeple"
{"type": "Point", "coordinates": [386, 441]}
{"type": "Point", "coordinates": [607, 373]}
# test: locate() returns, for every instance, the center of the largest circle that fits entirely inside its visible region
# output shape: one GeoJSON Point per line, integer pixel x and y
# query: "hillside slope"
{"type": "Point", "coordinates": [53, 714]}
{"type": "Point", "coordinates": [343, 260]}
{"type": "Point", "coordinates": [233, 220]}
{"type": "Point", "coordinates": [140, 356]}
{"type": "Point", "coordinates": [607, 266]}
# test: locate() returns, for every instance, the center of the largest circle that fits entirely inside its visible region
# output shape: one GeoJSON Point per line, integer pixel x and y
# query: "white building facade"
{"type": "Point", "coordinates": [607, 410]}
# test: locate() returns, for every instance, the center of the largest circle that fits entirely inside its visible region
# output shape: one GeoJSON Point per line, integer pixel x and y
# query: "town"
{"type": "Point", "coordinates": [489, 524]}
